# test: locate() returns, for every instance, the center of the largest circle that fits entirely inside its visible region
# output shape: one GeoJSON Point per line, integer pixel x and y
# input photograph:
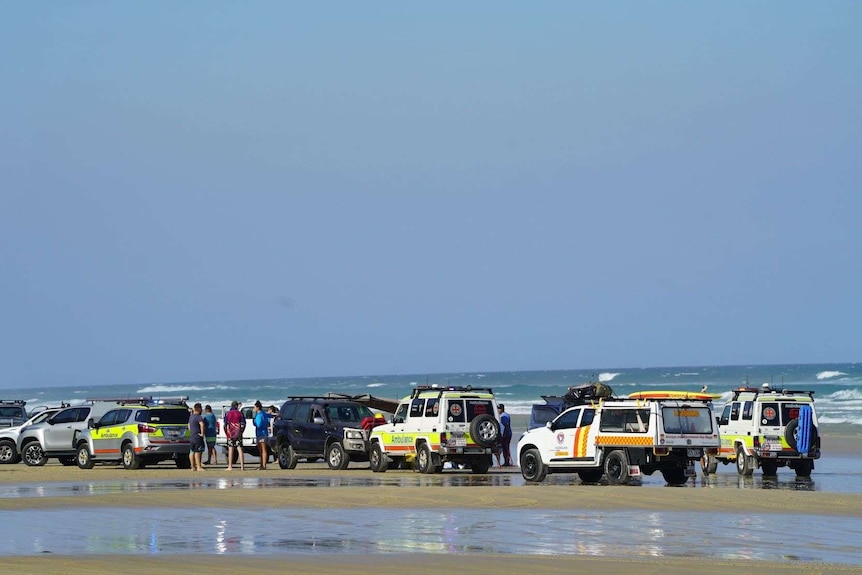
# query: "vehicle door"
{"type": "Point", "coordinates": [313, 436]}
{"type": "Point", "coordinates": [568, 445]}
{"type": "Point", "coordinates": [63, 428]}
{"type": "Point", "coordinates": [106, 433]}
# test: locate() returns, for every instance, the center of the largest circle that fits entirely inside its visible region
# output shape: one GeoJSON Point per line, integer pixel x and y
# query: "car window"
{"type": "Point", "coordinates": [303, 413]}
{"type": "Point", "coordinates": [109, 418]}
{"type": "Point", "coordinates": [42, 417]}
{"type": "Point", "coordinates": [66, 416]}
{"type": "Point", "coordinates": [734, 411]}
{"type": "Point", "coordinates": [455, 411]}
{"type": "Point", "coordinates": [432, 407]}
{"type": "Point", "coordinates": [626, 420]}
{"type": "Point", "coordinates": [401, 413]}
{"type": "Point", "coordinates": [477, 407]}
{"type": "Point", "coordinates": [348, 413]}
{"type": "Point", "coordinates": [13, 411]}
{"type": "Point", "coordinates": [417, 408]}
{"type": "Point", "coordinates": [747, 409]}
{"type": "Point", "coordinates": [542, 414]}
{"type": "Point", "coordinates": [725, 414]}
{"type": "Point", "coordinates": [687, 419]}
{"type": "Point", "coordinates": [587, 419]}
{"type": "Point", "coordinates": [568, 419]}
{"type": "Point", "coordinates": [287, 411]}
{"type": "Point", "coordinates": [789, 412]}
{"type": "Point", "coordinates": [770, 415]}
{"type": "Point", "coordinates": [167, 416]}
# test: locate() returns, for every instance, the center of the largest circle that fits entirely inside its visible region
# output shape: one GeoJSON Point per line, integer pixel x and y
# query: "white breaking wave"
{"type": "Point", "coordinates": [175, 388]}
{"type": "Point", "coordinates": [829, 374]}
{"type": "Point", "coordinates": [846, 394]}
{"type": "Point", "coordinates": [375, 385]}
{"type": "Point", "coordinates": [606, 377]}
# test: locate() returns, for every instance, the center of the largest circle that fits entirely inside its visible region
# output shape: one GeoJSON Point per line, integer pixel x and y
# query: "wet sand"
{"type": "Point", "coordinates": [526, 498]}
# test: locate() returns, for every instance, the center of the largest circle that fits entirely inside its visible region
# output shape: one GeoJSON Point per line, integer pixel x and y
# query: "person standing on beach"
{"type": "Point", "coordinates": [234, 426]}
{"type": "Point", "coordinates": [196, 441]}
{"type": "Point", "coordinates": [505, 435]}
{"type": "Point", "coordinates": [210, 433]}
{"type": "Point", "coordinates": [261, 432]}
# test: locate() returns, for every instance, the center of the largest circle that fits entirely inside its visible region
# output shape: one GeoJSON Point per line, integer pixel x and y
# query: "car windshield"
{"type": "Point", "coordinates": [687, 419]}
{"type": "Point", "coordinates": [348, 413]}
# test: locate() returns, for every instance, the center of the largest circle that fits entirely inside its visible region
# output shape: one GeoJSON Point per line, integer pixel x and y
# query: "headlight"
{"type": "Point", "coordinates": [353, 434]}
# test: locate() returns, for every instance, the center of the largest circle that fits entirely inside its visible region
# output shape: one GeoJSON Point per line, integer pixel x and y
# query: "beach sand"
{"type": "Point", "coordinates": [528, 497]}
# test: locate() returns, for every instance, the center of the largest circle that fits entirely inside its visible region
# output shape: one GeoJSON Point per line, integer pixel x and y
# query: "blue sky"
{"type": "Point", "coordinates": [210, 190]}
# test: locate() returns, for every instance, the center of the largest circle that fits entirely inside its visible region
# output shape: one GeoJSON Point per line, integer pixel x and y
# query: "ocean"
{"type": "Point", "coordinates": [837, 387]}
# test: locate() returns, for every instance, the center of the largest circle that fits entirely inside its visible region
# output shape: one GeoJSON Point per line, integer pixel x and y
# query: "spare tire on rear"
{"type": "Point", "coordinates": [485, 430]}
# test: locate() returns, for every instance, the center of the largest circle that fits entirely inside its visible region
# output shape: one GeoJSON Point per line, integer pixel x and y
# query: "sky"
{"type": "Point", "coordinates": [203, 191]}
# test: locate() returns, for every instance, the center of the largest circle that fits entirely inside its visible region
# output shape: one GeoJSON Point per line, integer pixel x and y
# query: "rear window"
{"type": "Point", "coordinates": [687, 419]}
{"type": "Point", "coordinates": [541, 415]}
{"type": "Point", "coordinates": [466, 410]}
{"type": "Point", "coordinates": [176, 416]}
{"type": "Point", "coordinates": [12, 412]}
{"type": "Point", "coordinates": [776, 414]}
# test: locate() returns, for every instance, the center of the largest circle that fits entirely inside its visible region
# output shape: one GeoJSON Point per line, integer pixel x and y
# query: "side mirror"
{"type": "Point", "coordinates": [91, 424]}
{"type": "Point", "coordinates": [318, 420]}
{"type": "Point", "coordinates": [549, 424]}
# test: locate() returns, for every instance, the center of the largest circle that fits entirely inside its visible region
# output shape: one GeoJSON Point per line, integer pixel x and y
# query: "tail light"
{"type": "Point", "coordinates": [442, 439]}
{"type": "Point", "coordinates": [756, 441]}
{"type": "Point", "coordinates": [142, 428]}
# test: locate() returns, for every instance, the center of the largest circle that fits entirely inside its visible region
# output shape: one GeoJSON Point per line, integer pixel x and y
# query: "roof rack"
{"type": "Point", "coordinates": [767, 389]}
{"type": "Point", "coordinates": [14, 401]}
{"type": "Point", "coordinates": [443, 388]}
{"type": "Point", "coordinates": [146, 400]}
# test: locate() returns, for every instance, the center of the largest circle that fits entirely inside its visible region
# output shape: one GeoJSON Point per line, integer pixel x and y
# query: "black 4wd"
{"type": "Point", "coordinates": [321, 427]}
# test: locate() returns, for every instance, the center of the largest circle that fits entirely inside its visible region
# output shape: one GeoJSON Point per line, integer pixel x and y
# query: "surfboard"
{"type": "Point", "coordinates": [692, 395]}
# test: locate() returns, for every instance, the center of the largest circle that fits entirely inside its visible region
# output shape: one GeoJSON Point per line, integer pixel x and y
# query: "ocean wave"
{"type": "Point", "coordinates": [686, 374]}
{"type": "Point", "coordinates": [845, 394]}
{"type": "Point", "coordinates": [181, 387]}
{"type": "Point", "coordinates": [606, 377]}
{"type": "Point", "coordinates": [829, 374]}
{"type": "Point", "coordinates": [377, 385]}
{"type": "Point", "coordinates": [852, 421]}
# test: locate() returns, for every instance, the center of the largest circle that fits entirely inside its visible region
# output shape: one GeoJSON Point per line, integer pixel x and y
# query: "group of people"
{"type": "Point", "coordinates": [204, 428]}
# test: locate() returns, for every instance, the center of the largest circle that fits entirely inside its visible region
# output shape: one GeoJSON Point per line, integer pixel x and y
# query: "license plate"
{"type": "Point", "coordinates": [459, 441]}
{"type": "Point", "coordinates": [694, 452]}
{"type": "Point", "coordinates": [173, 433]}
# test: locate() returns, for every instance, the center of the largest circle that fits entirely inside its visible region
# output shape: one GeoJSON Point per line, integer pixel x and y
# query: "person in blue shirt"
{"type": "Point", "coordinates": [210, 432]}
{"type": "Point", "coordinates": [505, 435]}
{"type": "Point", "coordinates": [261, 432]}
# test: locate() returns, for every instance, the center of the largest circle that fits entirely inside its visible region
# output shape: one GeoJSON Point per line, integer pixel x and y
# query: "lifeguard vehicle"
{"type": "Point", "coordinates": [768, 428]}
{"type": "Point", "coordinates": [624, 438]}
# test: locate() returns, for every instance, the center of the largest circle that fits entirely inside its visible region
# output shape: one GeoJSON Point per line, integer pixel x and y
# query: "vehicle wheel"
{"type": "Point", "coordinates": [709, 464]}
{"type": "Point", "coordinates": [287, 458]}
{"type": "Point", "coordinates": [532, 467]}
{"type": "Point", "coordinates": [33, 455]}
{"type": "Point", "coordinates": [84, 459]}
{"type": "Point", "coordinates": [675, 476]}
{"type": "Point", "coordinates": [791, 433]}
{"type": "Point", "coordinates": [424, 461]}
{"type": "Point", "coordinates": [67, 460]}
{"type": "Point", "coordinates": [804, 468]}
{"type": "Point", "coordinates": [481, 465]}
{"type": "Point", "coordinates": [592, 476]}
{"type": "Point", "coordinates": [743, 463]}
{"type": "Point", "coordinates": [377, 460]}
{"type": "Point", "coordinates": [485, 430]}
{"type": "Point", "coordinates": [8, 451]}
{"type": "Point", "coordinates": [336, 458]}
{"type": "Point", "coordinates": [130, 458]}
{"type": "Point", "coordinates": [768, 468]}
{"type": "Point", "coordinates": [617, 467]}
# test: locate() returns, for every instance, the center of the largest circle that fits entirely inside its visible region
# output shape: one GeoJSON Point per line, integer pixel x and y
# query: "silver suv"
{"type": "Point", "coordinates": [9, 435]}
{"type": "Point", "coordinates": [56, 436]}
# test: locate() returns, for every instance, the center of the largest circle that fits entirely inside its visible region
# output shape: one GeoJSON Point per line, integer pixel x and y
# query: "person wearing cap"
{"type": "Point", "coordinates": [505, 435]}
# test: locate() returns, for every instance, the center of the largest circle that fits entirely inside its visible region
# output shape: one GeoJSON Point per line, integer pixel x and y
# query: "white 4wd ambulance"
{"type": "Point", "coordinates": [624, 438]}
{"type": "Point", "coordinates": [768, 428]}
{"type": "Point", "coordinates": [435, 425]}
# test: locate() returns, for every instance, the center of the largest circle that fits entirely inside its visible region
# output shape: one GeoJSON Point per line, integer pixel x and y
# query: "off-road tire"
{"type": "Point", "coordinates": [8, 452]}
{"type": "Point", "coordinates": [336, 458]}
{"type": "Point", "coordinates": [182, 461]}
{"type": "Point", "coordinates": [424, 461]}
{"type": "Point", "coordinates": [83, 458]}
{"type": "Point", "coordinates": [481, 464]}
{"type": "Point", "coordinates": [617, 467]}
{"type": "Point", "coordinates": [377, 460]}
{"type": "Point", "coordinates": [130, 458]}
{"type": "Point", "coordinates": [287, 458]}
{"type": "Point", "coordinates": [768, 468]}
{"type": "Point", "coordinates": [674, 476]}
{"type": "Point", "coordinates": [485, 430]}
{"type": "Point", "coordinates": [532, 467]}
{"type": "Point", "coordinates": [790, 434]}
{"type": "Point", "coordinates": [804, 467]}
{"type": "Point", "coordinates": [33, 455]}
{"type": "Point", "coordinates": [743, 463]}
{"type": "Point", "coordinates": [591, 476]}
{"type": "Point", "coordinates": [708, 464]}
